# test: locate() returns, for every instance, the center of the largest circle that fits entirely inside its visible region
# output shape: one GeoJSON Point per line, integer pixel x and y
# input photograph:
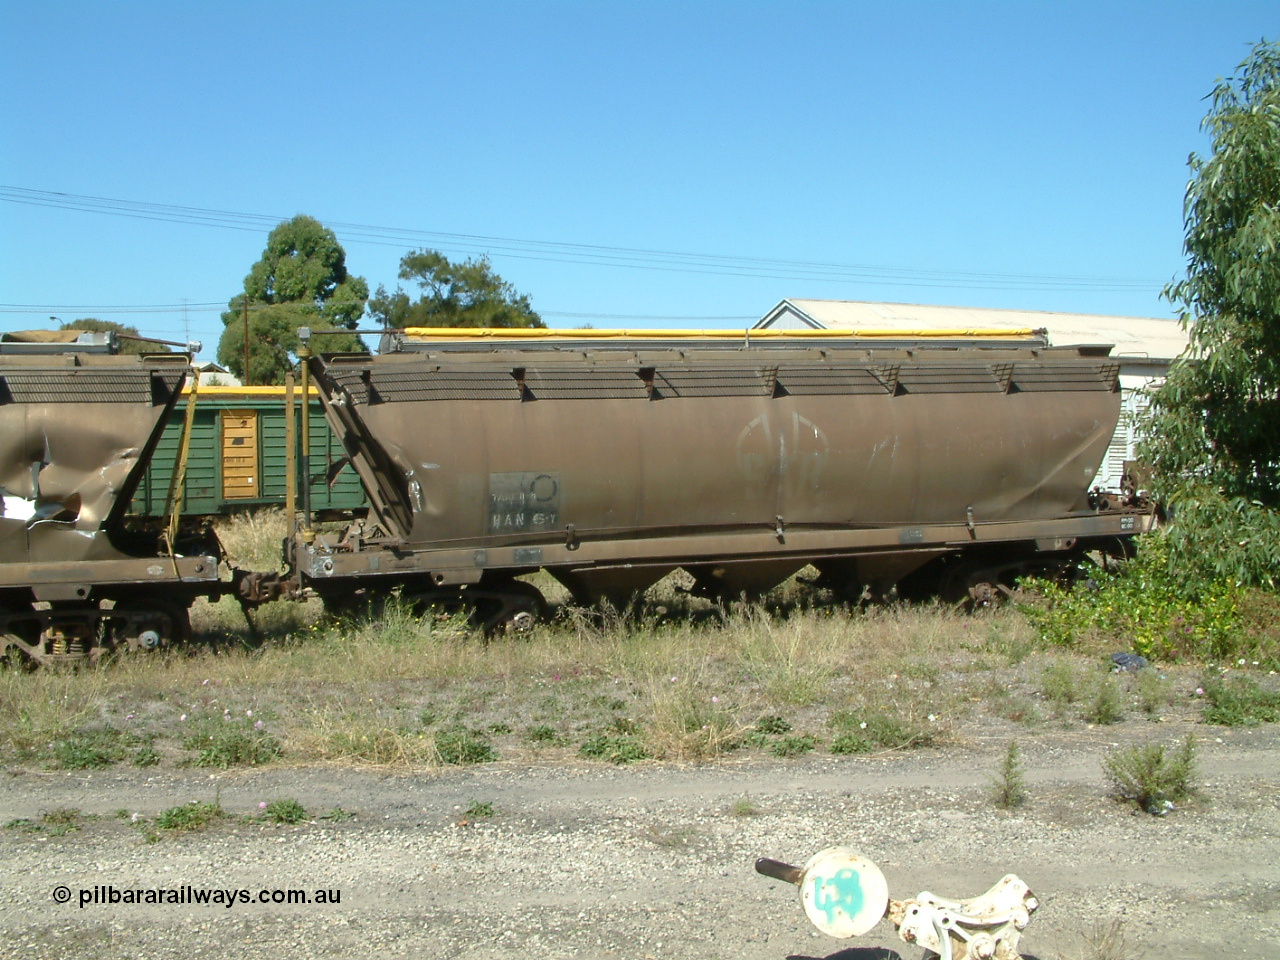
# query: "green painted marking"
{"type": "Point", "coordinates": [839, 893]}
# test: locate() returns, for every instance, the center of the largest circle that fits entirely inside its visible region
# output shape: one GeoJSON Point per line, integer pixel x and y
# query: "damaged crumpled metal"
{"type": "Point", "coordinates": [65, 466]}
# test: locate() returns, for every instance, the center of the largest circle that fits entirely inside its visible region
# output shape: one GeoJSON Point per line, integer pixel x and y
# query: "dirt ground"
{"type": "Point", "coordinates": [650, 860]}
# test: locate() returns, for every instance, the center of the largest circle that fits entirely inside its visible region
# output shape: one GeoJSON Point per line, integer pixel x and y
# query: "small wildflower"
{"type": "Point", "coordinates": [1199, 691]}
{"type": "Point", "coordinates": [862, 725]}
{"type": "Point", "coordinates": [1240, 662]}
{"type": "Point", "coordinates": [257, 725]}
{"type": "Point", "coordinates": [183, 717]}
{"type": "Point", "coordinates": [129, 717]}
{"type": "Point", "coordinates": [248, 713]}
{"type": "Point", "coordinates": [262, 805]}
{"type": "Point", "coordinates": [932, 718]}
{"type": "Point", "coordinates": [715, 699]}
{"type": "Point", "coordinates": [205, 684]}
{"type": "Point", "coordinates": [134, 818]}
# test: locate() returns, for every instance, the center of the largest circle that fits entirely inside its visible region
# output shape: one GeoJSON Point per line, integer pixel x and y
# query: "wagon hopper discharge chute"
{"type": "Point", "coordinates": [78, 427]}
{"type": "Point", "coordinates": [950, 465]}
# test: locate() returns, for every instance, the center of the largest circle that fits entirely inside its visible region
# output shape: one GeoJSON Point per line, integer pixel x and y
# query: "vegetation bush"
{"type": "Point", "coordinates": [1009, 786]}
{"type": "Point", "coordinates": [793, 746]}
{"type": "Point", "coordinates": [1156, 614]}
{"type": "Point", "coordinates": [858, 732]}
{"type": "Point", "coordinates": [1105, 705]}
{"type": "Point", "coordinates": [230, 743]}
{"type": "Point", "coordinates": [615, 748]}
{"type": "Point", "coordinates": [1238, 701]}
{"type": "Point", "coordinates": [1152, 776]}
{"type": "Point", "coordinates": [54, 823]}
{"type": "Point", "coordinates": [287, 811]}
{"type": "Point", "coordinates": [93, 749]}
{"type": "Point", "coordinates": [190, 816]}
{"type": "Point", "coordinates": [545, 734]}
{"type": "Point", "coordinates": [1213, 426]}
{"type": "Point", "coordinates": [459, 747]}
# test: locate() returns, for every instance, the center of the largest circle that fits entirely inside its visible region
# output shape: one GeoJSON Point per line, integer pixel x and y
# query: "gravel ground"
{"type": "Point", "coordinates": [651, 860]}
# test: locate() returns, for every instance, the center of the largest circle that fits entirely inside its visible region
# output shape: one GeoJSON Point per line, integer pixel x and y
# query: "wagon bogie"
{"type": "Point", "coordinates": [77, 431]}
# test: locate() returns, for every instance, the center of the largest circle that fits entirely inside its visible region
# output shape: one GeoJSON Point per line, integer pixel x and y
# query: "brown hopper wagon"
{"type": "Point", "coordinates": [78, 427]}
{"type": "Point", "coordinates": [947, 464]}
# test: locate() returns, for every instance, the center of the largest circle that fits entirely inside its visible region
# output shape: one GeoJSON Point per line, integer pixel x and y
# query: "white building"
{"type": "Point", "coordinates": [1145, 346]}
{"type": "Point", "coordinates": [215, 375]}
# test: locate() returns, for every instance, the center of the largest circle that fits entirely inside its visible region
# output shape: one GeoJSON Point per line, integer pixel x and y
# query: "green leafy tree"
{"type": "Point", "coordinates": [300, 281]}
{"type": "Point", "coordinates": [1214, 426]}
{"type": "Point", "coordinates": [467, 294]}
{"type": "Point", "coordinates": [110, 326]}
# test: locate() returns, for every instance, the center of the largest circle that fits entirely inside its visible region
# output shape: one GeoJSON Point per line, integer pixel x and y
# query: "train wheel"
{"type": "Point", "coordinates": [519, 608]}
{"type": "Point", "coordinates": [976, 586]}
{"type": "Point", "coordinates": [149, 624]}
{"type": "Point", "coordinates": [508, 607]}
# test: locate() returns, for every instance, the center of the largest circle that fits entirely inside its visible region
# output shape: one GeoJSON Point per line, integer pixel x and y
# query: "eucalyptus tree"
{"type": "Point", "coordinates": [1214, 428]}
{"type": "Point", "coordinates": [301, 280]}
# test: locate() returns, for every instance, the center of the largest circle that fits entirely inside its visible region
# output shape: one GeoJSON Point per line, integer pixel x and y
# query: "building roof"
{"type": "Point", "coordinates": [1152, 337]}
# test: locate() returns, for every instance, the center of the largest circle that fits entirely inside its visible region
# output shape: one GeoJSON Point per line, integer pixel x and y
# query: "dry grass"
{"type": "Point", "coordinates": [1106, 941]}
{"type": "Point", "coordinates": [674, 678]}
{"type": "Point", "coordinates": [355, 691]}
{"type": "Point", "coordinates": [253, 538]}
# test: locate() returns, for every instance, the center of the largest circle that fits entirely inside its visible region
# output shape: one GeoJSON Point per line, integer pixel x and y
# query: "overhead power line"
{"type": "Point", "coordinates": [84, 309]}
{"type": "Point", "coordinates": [634, 258]}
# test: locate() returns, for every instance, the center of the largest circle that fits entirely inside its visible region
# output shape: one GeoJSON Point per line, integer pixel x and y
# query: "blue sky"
{"type": "Point", "coordinates": [1026, 155]}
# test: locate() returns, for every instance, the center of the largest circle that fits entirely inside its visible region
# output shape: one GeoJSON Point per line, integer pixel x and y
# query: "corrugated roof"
{"type": "Point", "coordinates": [1133, 336]}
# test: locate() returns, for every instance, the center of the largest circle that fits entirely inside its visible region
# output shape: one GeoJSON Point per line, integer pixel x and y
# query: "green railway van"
{"type": "Point", "coordinates": [238, 456]}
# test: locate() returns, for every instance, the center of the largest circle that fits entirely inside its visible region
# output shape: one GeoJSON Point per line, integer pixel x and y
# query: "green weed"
{"type": "Point", "coordinates": [865, 733]}
{"type": "Point", "coordinates": [1151, 776]}
{"type": "Point", "coordinates": [1147, 604]}
{"type": "Point", "coordinates": [1061, 683]}
{"type": "Point", "coordinates": [1154, 691]}
{"type": "Point", "coordinates": [230, 743]}
{"type": "Point", "coordinates": [284, 812]}
{"type": "Point", "coordinates": [793, 746]}
{"type": "Point", "coordinates": [93, 749]}
{"type": "Point", "coordinates": [190, 816]}
{"type": "Point", "coordinates": [614, 748]}
{"type": "Point", "coordinates": [460, 747]}
{"type": "Point", "coordinates": [1105, 705]}
{"type": "Point", "coordinates": [146, 756]}
{"type": "Point", "coordinates": [772, 726]}
{"type": "Point", "coordinates": [546, 735]}
{"type": "Point", "coordinates": [1239, 702]}
{"type": "Point", "coordinates": [1009, 788]}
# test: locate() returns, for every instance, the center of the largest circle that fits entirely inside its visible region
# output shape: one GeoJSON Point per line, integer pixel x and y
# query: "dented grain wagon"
{"type": "Point", "coordinates": [949, 465]}
{"type": "Point", "coordinates": [78, 426]}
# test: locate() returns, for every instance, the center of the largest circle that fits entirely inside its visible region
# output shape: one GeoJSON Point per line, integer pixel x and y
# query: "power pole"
{"type": "Point", "coordinates": [246, 340]}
